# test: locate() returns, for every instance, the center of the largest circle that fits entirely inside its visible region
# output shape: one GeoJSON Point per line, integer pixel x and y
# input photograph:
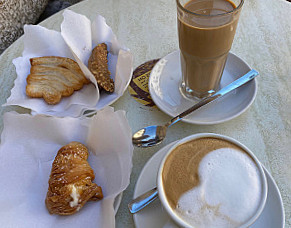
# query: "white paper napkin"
{"type": "Point", "coordinates": [76, 40]}
{"type": "Point", "coordinates": [28, 147]}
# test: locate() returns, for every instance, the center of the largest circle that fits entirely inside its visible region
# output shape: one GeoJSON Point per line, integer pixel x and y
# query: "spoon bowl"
{"type": "Point", "coordinates": [149, 136]}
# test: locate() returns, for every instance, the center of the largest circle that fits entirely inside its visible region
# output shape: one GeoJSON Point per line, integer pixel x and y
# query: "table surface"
{"type": "Point", "coordinates": [263, 40]}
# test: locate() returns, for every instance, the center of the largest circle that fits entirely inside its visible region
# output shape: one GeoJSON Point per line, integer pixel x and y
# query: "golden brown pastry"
{"type": "Point", "coordinates": [98, 65]}
{"type": "Point", "coordinates": [70, 183]}
{"type": "Point", "coordinates": [53, 77]}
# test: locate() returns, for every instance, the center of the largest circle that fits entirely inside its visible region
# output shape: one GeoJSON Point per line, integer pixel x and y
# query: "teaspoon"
{"type": "Point", "coordinates": [153, 135]}
{"type": "Point", "coordinates": [143, 200]}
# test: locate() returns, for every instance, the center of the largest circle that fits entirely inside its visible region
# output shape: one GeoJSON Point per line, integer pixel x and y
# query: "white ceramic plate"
{"type": "Point", "coordinates": [165, 79]}
{"type": "Point", "coordinates": [153, 216]}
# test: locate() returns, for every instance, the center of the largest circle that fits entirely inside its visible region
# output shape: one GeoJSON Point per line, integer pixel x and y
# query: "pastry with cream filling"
{"type": "Point", "coordinates": [70, 182]}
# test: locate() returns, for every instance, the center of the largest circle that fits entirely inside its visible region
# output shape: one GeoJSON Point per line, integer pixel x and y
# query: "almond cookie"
{"type": "Point", "coordinates": [98, 65]}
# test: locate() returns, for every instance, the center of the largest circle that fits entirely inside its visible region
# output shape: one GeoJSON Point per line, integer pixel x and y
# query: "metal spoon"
{"type": "Point", "coordinates": [153, 135]}
{"type": "Point", "coordinates": [143, 200]}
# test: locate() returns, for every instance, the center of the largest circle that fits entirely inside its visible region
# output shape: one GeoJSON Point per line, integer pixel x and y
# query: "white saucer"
{"type": "Point", "coordinates": [153, 216]}
{"type": "Point", "coordinates": [165, 79]}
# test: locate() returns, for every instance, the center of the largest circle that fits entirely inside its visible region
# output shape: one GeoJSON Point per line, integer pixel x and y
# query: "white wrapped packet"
{"type": "Point", "coordinates": [29, 145]}
{"type": "Point", "coordinates": [76, 40]}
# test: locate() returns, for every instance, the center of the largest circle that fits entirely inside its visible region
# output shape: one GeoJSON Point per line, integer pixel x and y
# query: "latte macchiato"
{"type": "Point", "coordinates": [206, 29]}
{"type": "Point", "coordinates": [211, 182]}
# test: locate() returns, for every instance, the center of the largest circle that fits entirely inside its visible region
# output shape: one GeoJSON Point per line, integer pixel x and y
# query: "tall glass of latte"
{"type": "Point", "coordinates": [206, 29]}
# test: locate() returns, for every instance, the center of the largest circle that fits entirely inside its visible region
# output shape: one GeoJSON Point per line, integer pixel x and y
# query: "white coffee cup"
{"type": "Point", "coordinates": [260, 176]}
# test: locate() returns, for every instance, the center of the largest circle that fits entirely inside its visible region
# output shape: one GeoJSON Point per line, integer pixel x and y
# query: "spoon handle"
{"type": "Point", "coordinates": [143, 200]}
{"type": "Point", "coordinates": [232, 86]}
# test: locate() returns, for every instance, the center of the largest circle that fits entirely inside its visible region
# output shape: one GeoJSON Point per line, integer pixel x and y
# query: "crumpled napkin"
{"type": "Point", "coordinates": [76, 40]}
{"type": "Point", "coordinates": [28, 147]}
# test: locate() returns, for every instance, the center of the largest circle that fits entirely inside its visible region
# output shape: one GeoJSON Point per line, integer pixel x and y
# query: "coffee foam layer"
{"type": "Point", "coordinates": [228, 194]}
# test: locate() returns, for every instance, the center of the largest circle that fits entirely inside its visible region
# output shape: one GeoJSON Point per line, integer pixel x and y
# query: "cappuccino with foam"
{"type": "Point", "coordinates": [211, 182]}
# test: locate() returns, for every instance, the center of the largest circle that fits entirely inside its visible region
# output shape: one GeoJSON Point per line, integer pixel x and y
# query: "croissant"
{"type": "Point", "coordinates": [98, 65]}
{"type": "Point", "coordinates": [70, 182]}
{"type": "Point", "coordinates": [53, 77]}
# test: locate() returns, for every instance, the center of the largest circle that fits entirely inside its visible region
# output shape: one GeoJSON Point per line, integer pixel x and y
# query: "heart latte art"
{"type": "Point", "coordinates": [210, 182]}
